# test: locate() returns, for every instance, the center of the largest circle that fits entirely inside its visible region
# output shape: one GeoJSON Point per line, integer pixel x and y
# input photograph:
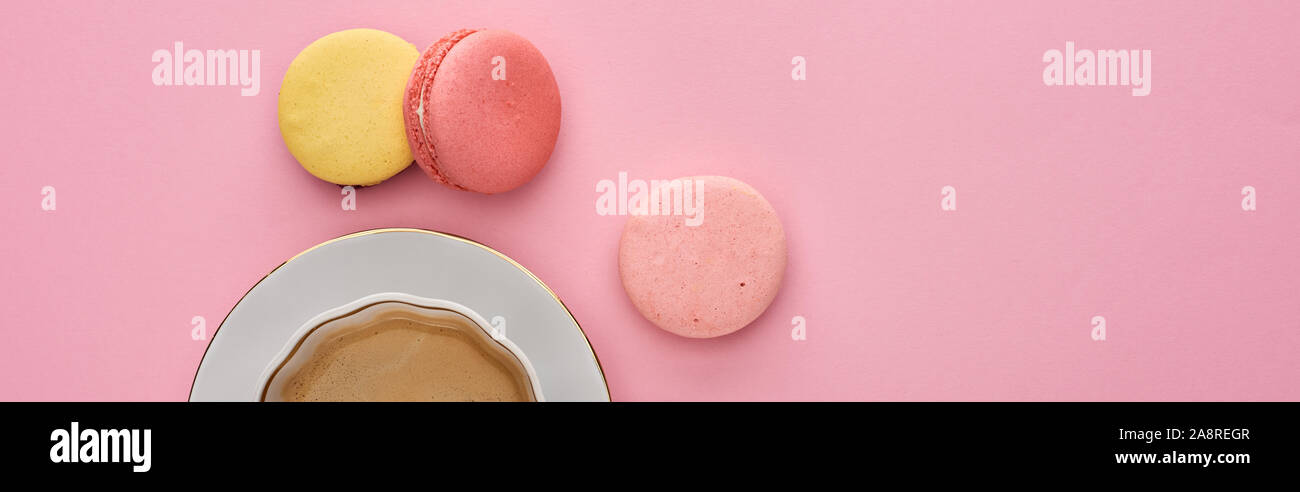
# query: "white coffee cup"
{"type": "Point", "coordinates": [369, 308]}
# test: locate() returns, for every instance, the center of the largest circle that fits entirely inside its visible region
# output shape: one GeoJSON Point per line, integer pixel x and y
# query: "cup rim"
{"type": "Point", "coordinates": [355, 307]}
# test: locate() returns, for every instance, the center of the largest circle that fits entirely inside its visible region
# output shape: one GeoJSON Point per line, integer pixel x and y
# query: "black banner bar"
{"type": "Point", "coordinates": [185, 439]}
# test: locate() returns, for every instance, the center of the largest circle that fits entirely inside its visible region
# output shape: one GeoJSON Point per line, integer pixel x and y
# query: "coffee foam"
{"type": "Point", "coordinates": [402, 356]}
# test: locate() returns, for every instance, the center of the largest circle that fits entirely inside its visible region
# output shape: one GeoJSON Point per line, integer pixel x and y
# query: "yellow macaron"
{"type": "Point", "coordinates": [340, 106]}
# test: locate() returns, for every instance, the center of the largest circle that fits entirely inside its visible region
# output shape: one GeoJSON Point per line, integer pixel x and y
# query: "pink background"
{"type": "Point", "coordinates": [1073, 202]}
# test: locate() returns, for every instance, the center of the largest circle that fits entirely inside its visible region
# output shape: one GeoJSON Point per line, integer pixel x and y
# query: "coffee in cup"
{"type": "Point", "coordinates": [398, 351]}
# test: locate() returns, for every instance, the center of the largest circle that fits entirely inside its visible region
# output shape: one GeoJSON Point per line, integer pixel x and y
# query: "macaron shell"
{"type": "Point", "coordinates": [488, 135]}
{"type": "Point", "coordinates": [711, 279]}
{"type": "Point", "coordinates": [413, 102]}
{"type": "Point", "coordinates": [340, 106]}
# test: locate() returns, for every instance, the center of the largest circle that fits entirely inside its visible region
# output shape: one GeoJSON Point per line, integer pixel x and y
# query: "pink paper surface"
{"type": "Point", "coordinates": [1073, 202]}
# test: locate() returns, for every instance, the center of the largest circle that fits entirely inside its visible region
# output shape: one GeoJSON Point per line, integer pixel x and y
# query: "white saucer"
{"type": "Point", "coordinates": [414, 261]}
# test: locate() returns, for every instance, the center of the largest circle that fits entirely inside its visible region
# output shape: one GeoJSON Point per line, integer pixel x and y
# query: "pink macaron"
{"type": "Point", "coordinates": [482, 110]}
{"type": "Point", "coordinates": [708, 273]}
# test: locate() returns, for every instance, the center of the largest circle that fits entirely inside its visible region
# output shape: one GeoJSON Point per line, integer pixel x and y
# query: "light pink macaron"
{"type": "Point", "coordinates": [711, 278]}
{"type": "Point", "coordinates": [482, 111]}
